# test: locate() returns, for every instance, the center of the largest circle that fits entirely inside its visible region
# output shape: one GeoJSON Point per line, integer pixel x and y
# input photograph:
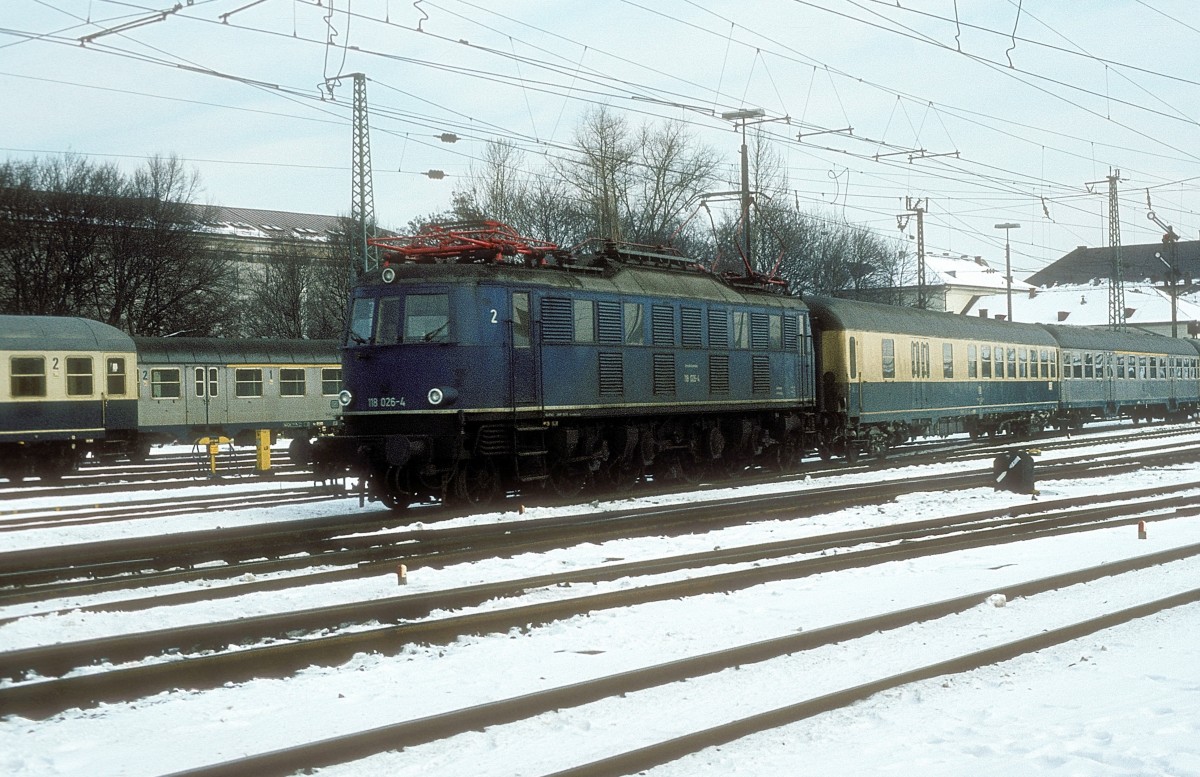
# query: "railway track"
{"type": "Point", "coordinates": [359, 546]}
{"type": "Point", "coordinates": [614, 687]}
{"type": "Point", "coordinates": [409, 619]}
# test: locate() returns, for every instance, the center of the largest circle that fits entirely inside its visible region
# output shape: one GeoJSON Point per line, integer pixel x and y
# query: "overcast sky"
{"type": "Point", "coordinates": [987, 111]}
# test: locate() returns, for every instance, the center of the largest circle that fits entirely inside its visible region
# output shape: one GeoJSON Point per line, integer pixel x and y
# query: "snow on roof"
{"type": "Point", "coordinates": [971, 271]}
{"type": "Point", "coordinates": [1087, 305]}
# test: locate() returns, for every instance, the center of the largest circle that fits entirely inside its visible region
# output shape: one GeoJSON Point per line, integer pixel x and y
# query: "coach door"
{"type": "Point", "coordinates": [523, 377]}
{"type": "Point", "coordinates": [203, 406]}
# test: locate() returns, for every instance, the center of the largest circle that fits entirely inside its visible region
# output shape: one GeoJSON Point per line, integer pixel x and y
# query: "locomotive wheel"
{"type": "Point", "coordinates": [394, 493]}
{"type": "Point", "coordinates": [620, 478]}
{"type": "Point", "coordinates": [477, 484]}
{"type": "Point", "coordinates": [567, 481]}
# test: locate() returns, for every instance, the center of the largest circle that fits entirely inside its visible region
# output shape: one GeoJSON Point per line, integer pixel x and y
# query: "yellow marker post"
{"type": "Point", "coordinates": [262, 458]}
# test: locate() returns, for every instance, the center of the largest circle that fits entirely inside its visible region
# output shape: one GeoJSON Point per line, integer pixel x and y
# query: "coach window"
{"type": "Point", "coordinates": [1120, 367]}
{"type": "Point", "coordinates": [79, 376]}
{"type": "Point", "coordinates": [248, 382]}
{"type": "Point", "coordinates": [28, 376]}
{"type": "Point", "coordinates": [1012, 363]}
{"type": "Point", "coordinates": [331, 381]}
{"type": "Point", "coordinates": [635, 326]}
{"type": "Point", "coordinates": [165, 383]}
{"type": "Point", "coordinates": [889, 358]}
{"type": "Point", "coordinates": [213, 384]}
{"type": "Point", "coordinates": [520, 322]}
{"type": "Point", "coordinates": [985, 361]}
{"type": "Point", "coordinates": [1087, 366]}
{"type": "Point", "coordinates": [1141, 368]}
{"type": "Point", "coordinates": [947, 360]}
{"type": "Point", "coordinates": [585, 321]}
{"type": "Point", "coordinates": [291, 382]}
{"type": "Point", "coordinates": [115, 376]}
{"type": "Point", "coordinates": [362, 321]}
{"type": "Point", "coordinates": [387, 321]}
{"type": "Point", "coordinates": [853, 359]}
{"type": "Point", "coordinates": [972, 361]}
{"type": "Point", "coordinates": [915, 358]}
{"type": "Point", "coordinates": [1023, 363]}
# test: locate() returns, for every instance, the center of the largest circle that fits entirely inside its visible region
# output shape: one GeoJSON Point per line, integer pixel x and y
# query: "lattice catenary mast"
{"type": "Point", "coordinates": [362, 191]}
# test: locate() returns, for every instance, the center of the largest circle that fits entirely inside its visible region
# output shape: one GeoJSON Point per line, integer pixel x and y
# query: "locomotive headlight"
{"type": "Point", "coordinates": [438, 396]}
{"type": "Point", "coordinates": [344, 398]}
{"type": "Point", "coordinates": [389, 274]}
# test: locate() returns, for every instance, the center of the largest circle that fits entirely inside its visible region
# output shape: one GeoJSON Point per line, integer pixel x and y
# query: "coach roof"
{"type": "Point", "coordinates": [852, 315]}
{"type": "Point", "coordinates": [54, 333]}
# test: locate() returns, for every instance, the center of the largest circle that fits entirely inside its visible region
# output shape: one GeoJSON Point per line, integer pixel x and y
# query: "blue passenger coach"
{"type": "Point", "coordinates": [890, 373]}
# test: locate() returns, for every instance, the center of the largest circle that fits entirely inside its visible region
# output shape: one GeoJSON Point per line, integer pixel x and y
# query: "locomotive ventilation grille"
{"type": "Point", "coordinates": [663, 324]}
{"type": "Point", "coordinates": [718, 373]}
{"type": "Point", "coordinates": [612, 374]}
{"type": "Point", "coordinates": [664, 373]}
{"type": "Point", "coordinates": [761, 375]}
{"type": "Point", "coordinates": [558, 321]}
{"type": "Point", "coordinates": [608, 320]}
{"type": "Point", "coordinates": [690, 327]}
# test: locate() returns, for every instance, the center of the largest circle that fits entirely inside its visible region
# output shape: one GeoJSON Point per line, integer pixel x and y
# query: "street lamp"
{"type": "Point", "coordinates": [1006, 226]}
{"type": "Point", "coordinates": [743, 117]}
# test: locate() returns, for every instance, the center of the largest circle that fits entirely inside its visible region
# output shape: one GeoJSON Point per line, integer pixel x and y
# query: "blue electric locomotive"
{"type": "Point", "coordinates": [479, 362]}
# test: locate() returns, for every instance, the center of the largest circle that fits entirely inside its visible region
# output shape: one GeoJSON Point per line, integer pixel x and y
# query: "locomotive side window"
{"type": "Point", "coordinates": [387, 321]}
{"type": "Point", "coordinates": [741, 330]}
{"type": "Point", "coordinates": [291, 382]}
{"type": "Point", "coordinates": [427, 318]}
{"type": "Point", "coordinates": [889, 358]}
{"type": "Point", "coordinates": [635, 328]}
{"type": "Point", "coordinates": [165, 383]}
{"type": "Point", "coordinates": [947, 360]}
{"type": "Point", "coordinates": [775, 325]}
{"type": "Point", "coordinates": [248, 382]}
{"type": "Point", "coordinates": [331, 381]}
{"type": "Point", "coordinates": [972, 361]}
{"type": "Point", "coordinates": [115, 374]}
{"type": "Point", "coordinates": [520, 318]}
{"type": "Point", "coordinates": [362, 321]}
{"type": "Point", "coordinates": [585, 321]}
{"type": "Point", "coordinates": [79, 376]}
{"type": "Point", "coordinates": [28, 376]}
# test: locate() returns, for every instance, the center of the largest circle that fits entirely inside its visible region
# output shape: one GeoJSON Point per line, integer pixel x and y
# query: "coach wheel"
{"type": "Point", "coordinates": [477, 484]}
{"type": "Point", "coordinates": [53, 469]}
{"type": "Point", "coordinates": [300, 451]}
{"type": "Point", "coordinates": [139, 451]}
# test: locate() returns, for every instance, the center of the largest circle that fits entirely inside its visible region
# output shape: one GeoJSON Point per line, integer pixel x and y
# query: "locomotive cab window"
{"type": "Point", "coordinates": [115, 376]}
{"type": "Point", "coordinates": [427, 318]}
{"type": "Point", "coordinates": [291, 382]}
{"type": "Point", "coordinates": [520, 319]}
{"type": "Point", "coordinates": [27, 376]}
{"type": "Point", "coordinates": [387, 321]}
{"type": "Point", "coordinates": [362, 321]}
{"type": "Point", "coordinates": [248, 382]}
{"type": "Point", "coordinates": [164, 383]}
{"type": "Point", "coordinates": [79, 376]}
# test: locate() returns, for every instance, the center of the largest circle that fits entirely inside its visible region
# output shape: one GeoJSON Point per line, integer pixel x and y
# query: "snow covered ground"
{"type": "Point", "coordinates": [1124, 701]}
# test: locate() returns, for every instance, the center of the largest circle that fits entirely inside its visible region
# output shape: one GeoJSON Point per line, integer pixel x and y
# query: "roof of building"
{"type": "Point", "coordinates": [1086, 304]}
{"type": "Point", "coordinates": [966, 271]}
{"type": "Point", "coordinates": [268, 224]}
{"type": "Point", "coordinates": [1144, 262]}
